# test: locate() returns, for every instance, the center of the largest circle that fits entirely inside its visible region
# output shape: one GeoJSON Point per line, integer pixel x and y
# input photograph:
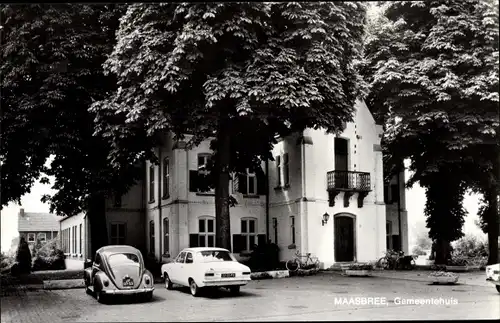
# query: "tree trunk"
{"type": "Point", "coordinates": [442, 252]}
{"type": "Point", "coordinates": [222, 219]}
{"type": "Point", "coordinates": [493, 227]}
{"type": "Point", "coordinates": [98, 224]}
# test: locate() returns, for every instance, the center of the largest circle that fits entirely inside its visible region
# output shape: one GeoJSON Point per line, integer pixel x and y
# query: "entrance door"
{"type": "Point", "coordinates": [344, 238]}
{"type": "Point", "coordinates": [341, 162]}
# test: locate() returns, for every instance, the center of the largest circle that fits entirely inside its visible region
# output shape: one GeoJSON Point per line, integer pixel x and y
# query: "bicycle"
{"type": "Point", "coordinates": [396, 260]}
{"type": "Point", "coordinates": [297, 263]}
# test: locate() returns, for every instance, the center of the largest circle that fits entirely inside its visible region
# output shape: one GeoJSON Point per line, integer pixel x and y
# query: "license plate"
{"type": "Point", "coordinates": [128, 282]}
{"type": "Point", "coordinates": [228, 275]}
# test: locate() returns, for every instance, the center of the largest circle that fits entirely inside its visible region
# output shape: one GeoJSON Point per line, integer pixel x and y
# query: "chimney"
{"type": "Point", "coordinates": [21, 212]}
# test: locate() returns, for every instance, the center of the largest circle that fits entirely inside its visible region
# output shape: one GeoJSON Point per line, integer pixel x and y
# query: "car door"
{"type": "Point", "coordinates": [177, 268]}
{"type": "Point", "coordinates": [96, 267]}
{"type": "Point", "coordinates": [188, 268]}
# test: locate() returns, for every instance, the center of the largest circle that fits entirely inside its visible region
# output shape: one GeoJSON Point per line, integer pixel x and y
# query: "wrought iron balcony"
{"type": "Point", "coordinates": [348, 182]}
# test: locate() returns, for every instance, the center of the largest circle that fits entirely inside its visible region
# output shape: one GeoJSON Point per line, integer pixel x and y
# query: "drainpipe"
{"type": "Point", "coordinates": [399, 211]}
{"type": "Point", "coordinates": [267, 200]}
{"type": "Point", "coordinates": [159, 204]}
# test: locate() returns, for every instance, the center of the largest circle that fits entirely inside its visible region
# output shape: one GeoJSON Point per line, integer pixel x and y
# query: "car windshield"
{"type": "Point", "coordinates": [123, 259]}
{"type": "Point", "coordinates": [215, 256]}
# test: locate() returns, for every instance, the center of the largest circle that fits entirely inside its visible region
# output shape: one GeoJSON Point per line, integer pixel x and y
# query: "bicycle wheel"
{"type": "Point", "coordinates": [292, 265]}
{"type": "Point", "coordinates": [382, 263]}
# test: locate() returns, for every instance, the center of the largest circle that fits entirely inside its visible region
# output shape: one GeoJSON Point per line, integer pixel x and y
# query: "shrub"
{"type": "Point", "coordinates": [470, 247]}
{"type": "Point", "coordinates": [6, 262]}
{"type": "Point", "coordinates": [264, 257]}
{"type": "Point", "coordinates": [358, 266]}
{"type": "Point", "coordinates": [48, 256]}
{"type": "Point", "coordinates": [457, 262]}
{"type": "Point", "coordinates": [23, 258]}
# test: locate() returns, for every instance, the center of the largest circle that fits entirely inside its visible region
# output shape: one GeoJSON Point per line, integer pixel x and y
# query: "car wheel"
{"type": "Point", "coordinates": [168, 282]}
{"type": "Point", "coordinates": [498, 288]}
{"type": "Point", "coordinates": [195, 290]}
{"type": "Point", "coordinates": [235, 290]}
{"type": "Point", "coordinates": [87, 290]}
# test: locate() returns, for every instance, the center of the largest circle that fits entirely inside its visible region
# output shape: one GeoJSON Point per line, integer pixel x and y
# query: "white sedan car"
{"type": "Point", "coordinates": [206, 267]}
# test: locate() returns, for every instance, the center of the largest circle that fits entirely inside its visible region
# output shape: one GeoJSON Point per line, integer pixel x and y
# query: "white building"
{"type": "Point", "coordinates": [325, 196]}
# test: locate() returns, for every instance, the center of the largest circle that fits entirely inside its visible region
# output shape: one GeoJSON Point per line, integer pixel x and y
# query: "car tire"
{"type": "Point", "coordinates": [235, 290]}
{"type": "Point", "coordinates": [498, 288]}
{"type": "Point", "coordinates": [168, 282]}
{"type": "Point", "coordinates": [195, 290]}
{"type": "Point", "coordinates": [87, 290]}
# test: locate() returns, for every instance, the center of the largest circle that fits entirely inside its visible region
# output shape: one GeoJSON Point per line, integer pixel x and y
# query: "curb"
{"type": "Point", "coordinates": [63, 284]}
{"type": "Point", "coordinates": [273, 274]}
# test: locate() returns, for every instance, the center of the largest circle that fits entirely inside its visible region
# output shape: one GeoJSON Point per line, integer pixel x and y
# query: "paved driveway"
{"type": "Point", "coordinates": [322, 297]}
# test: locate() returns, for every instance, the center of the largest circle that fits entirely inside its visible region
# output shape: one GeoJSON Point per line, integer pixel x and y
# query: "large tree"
{"type": "Point", "coordinates": [433, 73]}
{"type": "Point", "coordinates": [52, 56]}
{"type": "Point", "coordinates": [235, 73]}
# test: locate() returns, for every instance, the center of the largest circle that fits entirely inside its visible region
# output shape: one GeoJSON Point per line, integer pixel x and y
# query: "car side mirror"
{"type": "Point", "coordinates": [87, 264]}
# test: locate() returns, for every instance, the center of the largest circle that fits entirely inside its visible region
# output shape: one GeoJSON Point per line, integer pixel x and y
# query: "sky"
{"type": "Point", "coordinates": [415, 203]}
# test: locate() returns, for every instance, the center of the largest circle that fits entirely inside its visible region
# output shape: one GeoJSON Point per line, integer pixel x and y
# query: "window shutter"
{"type": "Point", "coordinates": [236, 183]}
{"type": "Point", "coordinates": [193, 240]}
{"type": "Point", "coordinates": [238, 243]}
{"type": "Point", "coordinates": [242, 187]}
{"type": "Point", "coordinates": [261, 239]}
{"type": "Point", "coordinates": [261, 182]}
{"type": "Point", "coordinates": [193, 181]}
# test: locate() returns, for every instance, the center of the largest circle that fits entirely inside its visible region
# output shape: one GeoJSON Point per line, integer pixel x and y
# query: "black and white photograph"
{"type": "Point", "coordinates": [249, 161]}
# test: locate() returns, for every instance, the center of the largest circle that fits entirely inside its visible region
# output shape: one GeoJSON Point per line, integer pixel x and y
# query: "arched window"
{"type": "Point", "coordinates": [166, 236]}
{"type": "Point", "coordinates": [249, 233]}
{"type": "Point", "coordinates": [166, 177]}
{"type": "Point", "coordinates": [152, 237]}
{"type": "Point", "coordinates": [151, 183]}
{"type": "Point", "coordinates": [206, 232]}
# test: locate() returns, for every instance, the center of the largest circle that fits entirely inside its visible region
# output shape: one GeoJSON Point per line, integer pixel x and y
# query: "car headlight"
{"type": "Point", "coordinates": [147, 280]}
{"type": "Point", "coordinates": [105, 282]}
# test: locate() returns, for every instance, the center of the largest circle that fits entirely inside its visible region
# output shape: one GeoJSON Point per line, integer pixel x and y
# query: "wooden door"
{"type": "Point", "coordinates": [344, 238]}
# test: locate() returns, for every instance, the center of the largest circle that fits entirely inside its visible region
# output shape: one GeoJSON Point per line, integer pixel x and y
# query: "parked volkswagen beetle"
{"type": "Point", "coordinates": [118, 270]}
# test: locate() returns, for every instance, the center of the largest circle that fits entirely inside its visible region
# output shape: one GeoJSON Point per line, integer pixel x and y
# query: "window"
{"type": "Point", "coordinates": [189, 258]}
{"type": "Point", "coordinates": [248, 231]}
{"type": "Point", "coordinates": [286, 170]}
{"type": "Point", "coordinates": [31, 237]}
{"type": "Point", "coordinates": [275, 227]}
{"type": "Point", "coordinates": [81, 239]}
{"type": "Point", "coordinates": [152, 237]}
{"type": "Point", "coordinates": [388, 233]}
{"type": "Point", "coordinates": [166, 236]}
{"type": "Point", "coordinates": [151, 183]}
{"type": "Point", "coordinates": [278, 171]}
{"type": "Point", "coordinates": [292, 229]}
{"type": "Point", "coordinates": [166, 178]}
{"type": "Point", "coordinates": [118, 233]}
{"type": "Point", "coordinates": [73, 239]}
{"type": "Point", "coordinates": [251, 183]}
{"type": "Point", "coordinates": [203, 171]}
{"type": "Point", "coordinates": [180, 258]}
{"type": "Point", "coordinates": [206, 232]}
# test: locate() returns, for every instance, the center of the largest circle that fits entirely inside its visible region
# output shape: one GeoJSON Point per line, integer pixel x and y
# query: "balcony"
{"type": "Point", "coordinates": [348, 182]}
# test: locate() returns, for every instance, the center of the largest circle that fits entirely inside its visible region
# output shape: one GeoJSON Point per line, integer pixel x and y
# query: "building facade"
{"type": "Point", "coordinates": [326, 197]}
{"type": "Point", "coordinates": [35, 226]}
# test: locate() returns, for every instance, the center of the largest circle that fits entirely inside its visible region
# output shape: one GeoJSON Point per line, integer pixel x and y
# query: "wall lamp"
{"type": "Point", "coordinates": [326, 216]}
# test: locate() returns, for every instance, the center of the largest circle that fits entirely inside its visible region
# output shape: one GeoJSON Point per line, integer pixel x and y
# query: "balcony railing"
{"type": "Point", "coordinates": [349, 182]}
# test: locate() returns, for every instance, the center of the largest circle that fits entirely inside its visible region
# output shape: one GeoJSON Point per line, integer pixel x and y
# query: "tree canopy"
{"type": "Point", "coordinates": [236, 73]}
{"type": "Point", "coordinates": [433, 73]}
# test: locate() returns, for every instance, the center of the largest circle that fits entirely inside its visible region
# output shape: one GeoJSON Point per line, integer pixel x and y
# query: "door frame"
{"type": "Point", "coordinates": [354, 233]}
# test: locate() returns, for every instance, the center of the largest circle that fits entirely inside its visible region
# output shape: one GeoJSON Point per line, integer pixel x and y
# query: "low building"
{"type": "Point", "coordinates": [35, 226]}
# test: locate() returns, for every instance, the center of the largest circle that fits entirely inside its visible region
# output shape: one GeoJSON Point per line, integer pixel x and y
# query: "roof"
{"type": "Point", "coordinates": [198, 249]}
{"type": "Point", "coordinates": [37, 222]}
{"type": "Point", "coordinates": [118, 249]}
